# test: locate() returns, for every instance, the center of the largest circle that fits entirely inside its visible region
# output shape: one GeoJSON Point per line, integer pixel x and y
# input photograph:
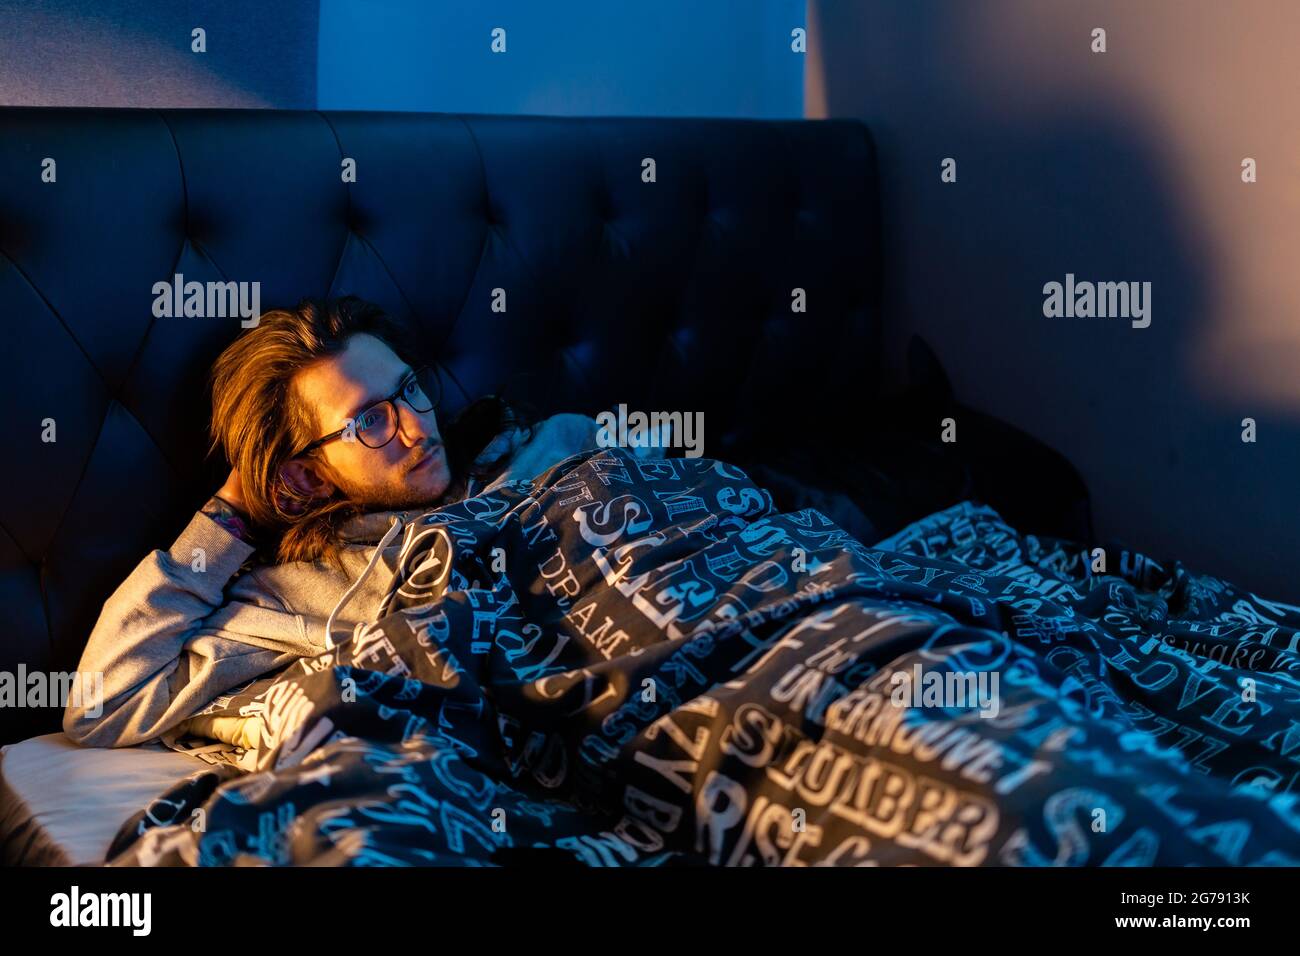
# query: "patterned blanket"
{"type": "Point", "coordinates": [640, 662]}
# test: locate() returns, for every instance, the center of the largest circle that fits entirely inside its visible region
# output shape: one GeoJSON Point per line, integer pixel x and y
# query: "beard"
{"type": "Point", "coordinates": [409, 489]}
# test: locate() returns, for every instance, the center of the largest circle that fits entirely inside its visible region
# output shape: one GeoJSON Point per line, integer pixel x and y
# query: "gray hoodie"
{"type": "Point", "coordinates": [171, 639]}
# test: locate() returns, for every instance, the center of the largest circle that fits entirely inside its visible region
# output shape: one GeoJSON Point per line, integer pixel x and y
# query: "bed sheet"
{"type": "Point", "coordinates": [61, 804]}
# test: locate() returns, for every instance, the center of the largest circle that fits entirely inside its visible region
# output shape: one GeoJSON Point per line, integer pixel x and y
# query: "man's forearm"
{"type": "Point", "coordinates": [229, 517]}
{"type": "Point", "coordinates": [143, 629]}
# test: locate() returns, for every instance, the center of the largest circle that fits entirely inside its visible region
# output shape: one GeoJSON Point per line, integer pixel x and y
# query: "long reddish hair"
{"type": "Point", "coordinates": [259, 421]}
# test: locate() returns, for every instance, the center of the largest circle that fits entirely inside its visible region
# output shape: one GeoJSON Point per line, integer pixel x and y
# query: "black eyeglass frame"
{"type": "Point", "coordinates": [392, 400]}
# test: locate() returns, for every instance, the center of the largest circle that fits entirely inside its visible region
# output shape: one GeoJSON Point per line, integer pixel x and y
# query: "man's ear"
{"type": "Point", "coordinates": [304, 478]}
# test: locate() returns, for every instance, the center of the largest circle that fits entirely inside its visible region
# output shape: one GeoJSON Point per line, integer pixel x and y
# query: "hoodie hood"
{"type": "Point", "coordinates": [369, 528]}
{"type": "Point", "coordinates": [396, 524]}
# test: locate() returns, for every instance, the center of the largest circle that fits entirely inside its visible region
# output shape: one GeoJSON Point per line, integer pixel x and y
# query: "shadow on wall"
{"type": "Point", "coordinates": [135, 53]}
{"type": "Point", "coordinates": [1059, 172]}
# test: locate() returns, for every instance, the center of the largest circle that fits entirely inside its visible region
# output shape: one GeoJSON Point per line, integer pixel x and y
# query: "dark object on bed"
{"type": "Point", "coordinates": [875, 467]}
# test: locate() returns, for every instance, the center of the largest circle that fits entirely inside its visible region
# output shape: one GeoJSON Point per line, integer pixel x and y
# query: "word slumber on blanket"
{"type": "Point", "coordinates": [652, 676]}
{"type": "Point", "coordinates": [1125, 300]}
{"type": "Point", "coordinates": [872, 797]}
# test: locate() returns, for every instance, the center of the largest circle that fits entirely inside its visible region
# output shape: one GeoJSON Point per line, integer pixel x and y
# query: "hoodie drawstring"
{"type": "Point", "coordinates": [356, 585]}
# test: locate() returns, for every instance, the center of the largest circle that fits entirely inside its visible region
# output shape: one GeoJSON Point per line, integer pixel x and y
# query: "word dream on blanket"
{"type": "Point", "coordinates": [640, 662]}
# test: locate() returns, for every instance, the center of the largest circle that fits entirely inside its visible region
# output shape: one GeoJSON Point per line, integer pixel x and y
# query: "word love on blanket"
{"type": "Point", "coordinates": [632, 662]}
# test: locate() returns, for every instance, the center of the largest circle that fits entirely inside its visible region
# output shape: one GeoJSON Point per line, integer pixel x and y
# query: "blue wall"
{"type": "Point", "coordinates": [566, 57]}
{"type": "Point", "coordinates": [137, 53]}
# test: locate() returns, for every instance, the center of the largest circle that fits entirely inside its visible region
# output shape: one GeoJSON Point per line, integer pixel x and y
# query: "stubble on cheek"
{"type": "Point", "coordinates": [438, 479]}
{"type": "Point", "coordinates": [399, 489]}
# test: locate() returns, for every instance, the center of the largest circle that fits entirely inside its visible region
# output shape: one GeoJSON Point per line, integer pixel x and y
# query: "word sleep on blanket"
{"type": "Point", "coordinates": [664, 669]}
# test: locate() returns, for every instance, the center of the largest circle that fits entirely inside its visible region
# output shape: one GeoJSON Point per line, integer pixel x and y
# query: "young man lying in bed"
{"type": "Point", "coordinates": [665, 666]}
{"type": "Point", "coordinates": [332, 430]}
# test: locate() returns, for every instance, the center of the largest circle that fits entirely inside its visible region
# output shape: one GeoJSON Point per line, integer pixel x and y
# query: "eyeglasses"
{"type": "Point", "coordinates": [377, 425]}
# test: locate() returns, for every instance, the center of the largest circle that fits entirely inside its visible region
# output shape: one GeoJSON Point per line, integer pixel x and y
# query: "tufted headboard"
{"type": "Point", "coordinates": [673, 294]}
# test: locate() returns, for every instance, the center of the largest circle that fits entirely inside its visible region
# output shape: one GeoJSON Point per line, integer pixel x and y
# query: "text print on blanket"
{"type": "Point", "coordinates": [654, 678]}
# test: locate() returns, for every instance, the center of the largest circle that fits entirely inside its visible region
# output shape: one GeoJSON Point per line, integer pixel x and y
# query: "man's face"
{"type": "Point", "coordinates": [411, 470]}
